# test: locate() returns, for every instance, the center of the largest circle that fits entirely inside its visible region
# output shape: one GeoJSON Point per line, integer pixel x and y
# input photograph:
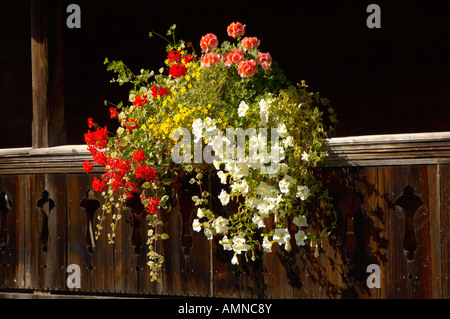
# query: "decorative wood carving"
{"type": "Point", "coordinates": [5, 206]}
{"type": "Point", "coordinates": [137, 210]}
{"type": "Point", "coordinates": [45, 204]}
{"type": "Point", "coordinates": [409, 204]}
{"type": "Point", "coordinates": [90, 204]}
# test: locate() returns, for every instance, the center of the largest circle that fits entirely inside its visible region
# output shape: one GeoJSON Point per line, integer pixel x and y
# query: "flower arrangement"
{"type": "Point", "coordinates": [229, 112]}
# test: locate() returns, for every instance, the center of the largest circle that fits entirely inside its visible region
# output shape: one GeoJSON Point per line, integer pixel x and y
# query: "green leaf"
{"type": "Point", "coordinates": [146, 185]}
{"type": "Point", "coordinates": [164, 236]}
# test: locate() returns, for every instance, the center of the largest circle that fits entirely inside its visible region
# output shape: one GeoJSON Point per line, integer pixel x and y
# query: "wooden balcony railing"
{"type": "Point", "coordinates": [392, 193]}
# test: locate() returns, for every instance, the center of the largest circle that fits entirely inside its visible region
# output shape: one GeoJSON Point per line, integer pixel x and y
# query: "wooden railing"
{"type": "Point", "coordinates": [392, 241]}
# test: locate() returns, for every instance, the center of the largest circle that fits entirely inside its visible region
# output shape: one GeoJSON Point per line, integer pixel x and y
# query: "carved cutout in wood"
{"type": "Point", "coordinates": [409, 205]}
{"type": "Point", "coordinates": [90, 204]}
{"type": "Point", "coordinates": [45, 205]}
{"type": "Point", "coordinates": [5, 206]}
{"type": "Point", "coordinates": [137, 210]}
{"type": "Point", "coordinates": [350, 204]}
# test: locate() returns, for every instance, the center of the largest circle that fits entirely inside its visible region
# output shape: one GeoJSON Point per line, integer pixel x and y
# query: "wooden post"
{"type": "Point", "coordinates": [48, 127]}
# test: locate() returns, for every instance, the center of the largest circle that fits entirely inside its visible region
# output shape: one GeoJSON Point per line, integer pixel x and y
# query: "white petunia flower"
{"type": "Point", "coordinates": [267, 245]}
{"type": "Point", "coordinates": [222, 176]}
{"type": "Point", "coordinates": [281, 236]}
{"type": "Point", "coordinates": [239, 244]}
{"type": "Point", "coordinates": [225, 242]}
{"type": "Point", "coordinates": [300, 238]}
{"type": "Point", "coordinates": [208, 233]}
{"type": "Point", "coordinates": [209, 124]}
{"type": "Point", "coordinates": [300, 221]}
{"type": "Point", "coordinates": [243, 107]}
{"type": "Point", "coordinates": [258, 221]}
{"type": "Point", "coordinates": [305, 156]}
{"type": "Point", "coordinates": [220, 224]}
{"type": "Point", "coordinates": [282, 129]}
{"type": "Point", "coordinates": [284, 184]}
{"type": "Point", "coordinates": [288, 141]}
{"type": "Point", "coordinates": [200, 213]}
{"type": "Point", "coordinates": [303, 192]}
{"type": "Point", "coordinates": [197, 128]}
{"type": "Point", "coordinates": [196, 226]}
{"type": "Point", "coordinates": [224, 197]}
{"type": "Point", "coordinates": [216, 164]}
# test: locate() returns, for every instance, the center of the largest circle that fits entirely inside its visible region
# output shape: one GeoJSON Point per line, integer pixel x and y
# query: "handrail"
{"type": "Point", "coordinates": [365, 150]}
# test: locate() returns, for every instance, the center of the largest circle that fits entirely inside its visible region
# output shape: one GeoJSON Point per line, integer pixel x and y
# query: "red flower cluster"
{"type": "Point", "coordinates": [88, 166]}
{"type": "Point", "coordinates": [236, 29]}
{"type": "Point", "coordinates": [210, 59]}
{"type": "Point", "coordinates": [140, 100]}
{"type": "Point", "coordinates": [98, 185]}
{"type": "Point", "coordinates": [174, 56]}
{"type": "Point", "coordinates": [146, 172]}
{"type": "Point", "coordinates": [159, 91]}
{"type": "Point", "coordinates": [113, 112]}
{"type": "Point", "coordinates": [97, 139]}
{"type": "Point", "coordinates": [246, 68]}
{"type": "Point", "coordinates": [118, 168]}
{"type": "Point", "coordinates": [250, 43]}
{"type": "Point", "coordinates": [177, 70]}
{"type": "Point", "coordinates": [138, 156]}
{"type": "Point", "coordinates": [235, 56]}
{"type": "Point", "coordinates": [209, 42]}
{"type": "Point", "coordinates": [152, 206]}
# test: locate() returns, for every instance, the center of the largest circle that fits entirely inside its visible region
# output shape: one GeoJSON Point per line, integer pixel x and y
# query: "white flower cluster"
{"type": "Point", "coordinates": [270, 196]}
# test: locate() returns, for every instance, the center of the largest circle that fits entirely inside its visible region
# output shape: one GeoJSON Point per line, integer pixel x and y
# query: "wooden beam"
{"type": "Point", "coordinates": [48, 126]}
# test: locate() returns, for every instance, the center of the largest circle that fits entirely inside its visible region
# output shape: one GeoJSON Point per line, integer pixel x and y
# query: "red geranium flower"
{"type": "Point", "coordinates": [113, 112]}
{"type": "Point", "coordinates": [236, 29]}
{"type": "Point", "coordinates": [138, 156]}
{"type": "Point", "coordinates": [98, 185]}
{"type": "Point", "coordinates": [247, 68]}
{"type": "Point", "coordinates": [208, 42]}
{"type": "Point", "coordinates": [152, 206]}
{"type": "Point", "coordinates": [177, 70]}
{"type": "Point", "coordinates": [88, 166]}
{"type": "Point", "coordinates": [140, 100]}
{"type": "Point", "coordinates": [173, 56]}
{"type": "Point", "coordinates": [146, 172]}
{"type": "Point", "coordinates": [159, 91]}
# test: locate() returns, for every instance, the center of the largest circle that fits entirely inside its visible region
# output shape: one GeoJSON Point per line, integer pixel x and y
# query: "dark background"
{"type": "Point", "coordinates": [389, 80]}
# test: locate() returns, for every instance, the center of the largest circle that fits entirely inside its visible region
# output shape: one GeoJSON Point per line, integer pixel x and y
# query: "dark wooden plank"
{"type": "Point", "coordinates": [78, 252]}
{"type": "Point", "coordinates": [444, 171]}
{"type": "Point", "coordinates": [48, 126]}
{"type": "Point", "coordinates": [368, 224]}
{"type": "Point", "coordinates": [175, 264]}
{"type": "Point", "coordinates": [394, 269]}
{"type": "Point", "coordinates": [10, 276]}
{"type": "Point", "coordinates": [33, 220]}
{"type": "Point", "coordinates": [426, 282]}
{"type": "Point", "coordinates": [125, 280]}
{"type": "Point", "coordinates": [55, 254]}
